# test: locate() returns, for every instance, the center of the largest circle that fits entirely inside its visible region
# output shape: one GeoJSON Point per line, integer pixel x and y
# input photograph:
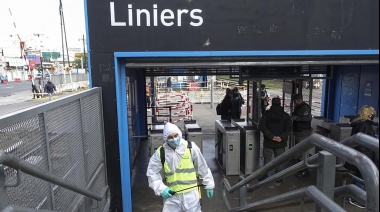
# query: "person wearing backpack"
{"type": "Point", "coordinates": [227, 106]}
{"type": "Point", "coordinates": [276, 126]}
{"type": "Point", "coordinates": [238, 102]}
{"type": "Point", "coordinates": [362, 123]}
{"type": "Point", "coordinates": [182, 162]}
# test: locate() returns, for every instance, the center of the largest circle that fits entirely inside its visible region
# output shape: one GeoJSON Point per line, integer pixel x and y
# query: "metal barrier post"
{"type": "Point", "coordinates": [326, 175]}
{"type": "Point", "coordinates": [242, 194]}
{"type": "Point", "coordinates": [212, 93]}
{"type": "Point", "coordinates": [3, 192]}
{"type": "Point", "coordinates": [170, 115]}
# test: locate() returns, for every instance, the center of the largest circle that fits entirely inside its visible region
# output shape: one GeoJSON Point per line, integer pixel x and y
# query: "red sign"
{"type": "Point", "coordinates": [32, 64]}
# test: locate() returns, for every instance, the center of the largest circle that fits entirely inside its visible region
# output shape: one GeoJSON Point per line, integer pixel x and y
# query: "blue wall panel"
{"type": "Point", "coordinates": [349, 93]}
{"type": "Point", "coordinates": [369, 86]}
{"type": "Point", "coordinates": [333, 96]}
{"type": "Point", "coordinates": [351, 88]}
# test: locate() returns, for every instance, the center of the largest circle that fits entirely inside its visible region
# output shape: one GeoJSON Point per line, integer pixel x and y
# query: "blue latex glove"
{"type": "Point", "coordinates": [210, 193]}
{"type": "Point", "coordinates": [165, 194]}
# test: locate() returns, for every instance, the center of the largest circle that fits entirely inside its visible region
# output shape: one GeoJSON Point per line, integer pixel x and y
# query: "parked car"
{"type": "Point", "coordinates": [38, 76]}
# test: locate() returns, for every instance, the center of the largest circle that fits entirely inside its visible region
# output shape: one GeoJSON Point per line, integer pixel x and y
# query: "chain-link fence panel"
{"type": "Point", "coordinates": [64, 137]}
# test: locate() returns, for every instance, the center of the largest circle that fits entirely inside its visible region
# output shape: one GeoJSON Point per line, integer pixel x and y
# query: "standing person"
{"type": "Point", "coordinates": [147, 94]}
{"type": "Point", "coordinates": [182, 161]}
{"type": "Point", "coordinates": [35, 91]}
{"type": "Point", "coordinates": [169, 84]}
{"type": "Point", "coordinates": [276, 126]}
{"type": "Point", "coordinates": [50, 88]}
{"type": "Point", "coordinates": [362, 123]}
{"type": "Point", "coordinates": [264, 98]}
{"type": "Point", "coordinates": [40, 84]}
{"type": "Point", "coordinates": [227, 106]}
{"type": "Point", "coordinates": [302, 129]}
{"type": "Point", "coordinates": [237, 101]}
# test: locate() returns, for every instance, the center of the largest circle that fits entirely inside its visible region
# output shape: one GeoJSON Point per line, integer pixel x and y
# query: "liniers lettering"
{"type": "Point", "coordinates": [166, 17]}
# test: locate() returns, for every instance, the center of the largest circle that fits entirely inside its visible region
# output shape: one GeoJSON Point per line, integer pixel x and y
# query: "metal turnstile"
{"type": "Point", "coordinates": [249, 147]}
{"type": "Point", "coordinates": [324, 127]}
{"type": "Point", "coordinates": [315, 121]}
{"type": "Point", "coordinates": [340, 131]}
{"type": "Point", "coordinates": [156, 140]}
{"type": "Point", "coordinates": [184, 127]}
{"type": "Point", "coordinates": [227, 144]}
{"type": "Point", "coordinates": [194, 133]}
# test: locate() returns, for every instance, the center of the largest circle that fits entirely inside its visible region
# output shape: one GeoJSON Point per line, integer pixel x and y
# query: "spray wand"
{"type": "Point", "coordinates": [174, 192]}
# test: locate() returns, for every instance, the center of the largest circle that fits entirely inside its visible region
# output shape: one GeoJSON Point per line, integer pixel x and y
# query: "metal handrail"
{"type": "Point", "coordinates": [18, 164]}
{"type": "Point", "coordinates": [311, 191]}
{"type": "Point", "coordinates": [346, 190]}
{"type": "Point", "coordinates": [23, 209]}
{"type": "Point", "coordinates": [367, 168]}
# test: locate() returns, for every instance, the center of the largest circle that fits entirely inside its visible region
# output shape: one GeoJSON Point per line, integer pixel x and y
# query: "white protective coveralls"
{"type": "Point", "coordinates": [179, 202]}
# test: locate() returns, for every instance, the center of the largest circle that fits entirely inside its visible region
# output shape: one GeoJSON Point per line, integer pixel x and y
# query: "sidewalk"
{"type": "Point", "coordinates": [24, 99]}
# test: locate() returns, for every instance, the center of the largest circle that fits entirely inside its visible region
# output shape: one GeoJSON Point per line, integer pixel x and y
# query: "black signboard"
{"type": "Point", "coordinates": [270, 72]}
{"type": "Point", "coordinates": [225, 25]}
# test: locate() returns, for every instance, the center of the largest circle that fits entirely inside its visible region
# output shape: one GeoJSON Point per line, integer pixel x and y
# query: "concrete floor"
{"type": "Point", "coordinates": [143, 198]}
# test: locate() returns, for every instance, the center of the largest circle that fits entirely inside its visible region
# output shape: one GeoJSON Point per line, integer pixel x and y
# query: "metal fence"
{"type": "Point", "coordinates": [64, 137]}
{"type": "Point", "coordinates": [64, 79]}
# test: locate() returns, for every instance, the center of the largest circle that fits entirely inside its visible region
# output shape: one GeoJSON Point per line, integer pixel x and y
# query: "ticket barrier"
{"type": "Point", "coordinates": [184, 126]}
{"type": "Point", "coordinates": [345, 119]}
{"type": "Point", "coordinates": [315, 121]}
{"type": "Point", "coordinates": [331, 129]}
{"type": "Point", "coordinates": [340, 131]}
{"type": "Point", "coordinates": [249, 147]}
{"type": "Point", "coordinates": [227, 144]}
{"type": "Point", "coordinates": [194, 133]}
{"type": "Point", "coordinates": [156, 140]}
{"type": "Point", "coordinates": [324, 126]}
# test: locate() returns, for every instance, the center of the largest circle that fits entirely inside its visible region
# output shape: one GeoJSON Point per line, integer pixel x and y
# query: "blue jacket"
{"type": "Point", "coordinates": [50, 87]}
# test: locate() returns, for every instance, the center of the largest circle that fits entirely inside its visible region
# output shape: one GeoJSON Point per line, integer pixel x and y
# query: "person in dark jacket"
{"type": "Point", "coordinates": [50, 88]}
{"type": "Point", "coordinates": [227, 106]}
{"type": "Point", "coordinates": [169, 84]}
{"type": "Point", "coordinates": [238, 101]}
{"type": "Point", "coordinates": [362, 123]}
{"type": "Point", "coordinates": [276, 126]}
{"type": "Point", "coordinates": [302, 129]}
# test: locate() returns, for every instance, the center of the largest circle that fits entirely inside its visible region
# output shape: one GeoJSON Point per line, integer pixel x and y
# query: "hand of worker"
{"type": "Point", "coordinates": [165, 194]}
{"type": "Point", "coordinates": [210, 193]}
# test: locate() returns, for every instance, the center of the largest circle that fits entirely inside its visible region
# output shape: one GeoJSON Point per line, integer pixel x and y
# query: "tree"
{"type": "Point", "coordinates": [78, 62]}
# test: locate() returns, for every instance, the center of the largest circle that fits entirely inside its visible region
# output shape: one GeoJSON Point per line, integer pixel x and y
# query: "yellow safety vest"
{"type": "Point", "coordinates": [184, 176]}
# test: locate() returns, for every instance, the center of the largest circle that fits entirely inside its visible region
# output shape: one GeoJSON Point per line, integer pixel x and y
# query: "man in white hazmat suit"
{"type": "Point", "coordinates": [181, 167]}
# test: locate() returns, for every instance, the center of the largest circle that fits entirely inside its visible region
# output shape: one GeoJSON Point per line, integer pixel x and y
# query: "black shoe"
{"type": "Point", "coordinates": [354, 203]}
{"type": "Point", "coordinates": [303, 174]}
{"type": "Point", "coordinates": [263, 177]}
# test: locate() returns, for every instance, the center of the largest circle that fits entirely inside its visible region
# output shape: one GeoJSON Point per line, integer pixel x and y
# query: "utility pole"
{"type": "Point", "coordinates": [84, 52]}
{"type": "Point", "coordinates": [63, 35]}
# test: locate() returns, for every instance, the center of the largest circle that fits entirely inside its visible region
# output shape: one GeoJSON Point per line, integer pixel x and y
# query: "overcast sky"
{"type": "Point", "coordinates": [42, 17]}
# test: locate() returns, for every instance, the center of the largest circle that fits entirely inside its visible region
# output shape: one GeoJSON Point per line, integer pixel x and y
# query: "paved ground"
{"type": "Point", "coordinates": [144, 199]}
{"type": "Point", "coordinates": [23, 99]}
